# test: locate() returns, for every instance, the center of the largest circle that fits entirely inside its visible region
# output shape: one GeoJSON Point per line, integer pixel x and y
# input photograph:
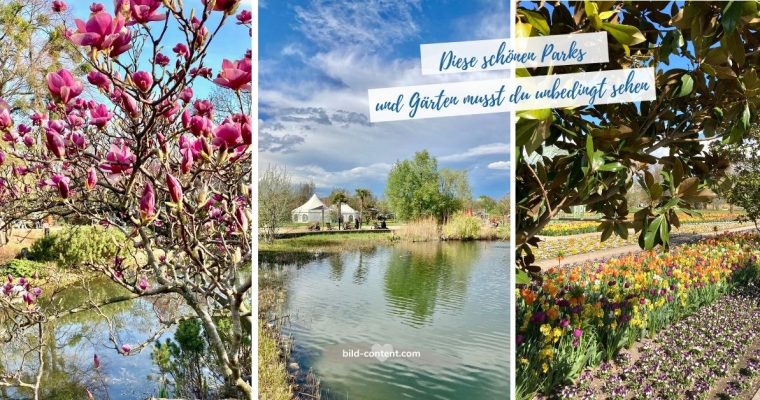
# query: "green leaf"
{"type": "Point", "coordinates": [624, 34]}
{"type": "Point", "coordinates": [522, 277]}
{"type": "Point", "coordinates": [651, 232]}
{"type": "Point", "coordinates": [536, 20]}
{"type": "Point", "coordinates": [612, 167]}
{"type": "Point", "coordinates": [732, 13]}
{"type": "Point", "coordinates": [540, 114]}
{"type": "Point", "coordinates": [686, 86]}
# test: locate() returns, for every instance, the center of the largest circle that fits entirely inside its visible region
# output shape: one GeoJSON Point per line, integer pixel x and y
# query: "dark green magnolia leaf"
{"type": "Point", "coordinates": [664, 232]}
{"type": "Point", "coordinates": [652, 231]}
{"type": "Point", "coordinates": [624, 34]}
{"type": "Point", "coordinates": [733, 43]}
{"type": "Point", "coordinates": [607, 231]}
{"type": "Point", "coordinates": [621, 230]}
{"type": "Point", "coordinates": [732, 13]}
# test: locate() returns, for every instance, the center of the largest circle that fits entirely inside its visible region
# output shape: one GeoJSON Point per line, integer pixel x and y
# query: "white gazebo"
{"type": "Point", "coordinates": [313, 210]}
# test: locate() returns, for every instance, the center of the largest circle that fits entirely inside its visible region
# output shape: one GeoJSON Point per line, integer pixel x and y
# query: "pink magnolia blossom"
{"type": "Point", "coordinates": [103, 32]}
{"type": "Point", "coordinates": [100, 116]}
{"type": "Point", "coordinates": [55, 143]}
{"type": "Point", "coordinates": [100, 80]}
{"type": "Point", "coordinates": [63, 85]}
{"type": "Point", "coordinates": [125, 348]}
{"type": "Point", "coordinates": [143, 80]}
{"type": "Point", "coordinates": [204, 72]}
{"type": "Point", "coordinates": [245, 127]}
{"type": "Point", "coordinates": [245, 17]}
{"type": "Point", "coordinates": [235, 75]}
{"type": "Point", "coordinates": [169, 109]}
{"type": "Point", "coordinates": [96, 8]}
{"type": "Point", "coordinates": [6, 122]}
{"type": "Point", "coordinates": [23, 129]}
{"type": "Point", "coordinates": [62, 183]}
{"type": "Point", "coordinates": [130, 104]}
{"type": "Point", "coordinates": [147, 203]}
{"type": "Point", "coordinates": [92, 179]}
{"type": "Point", "coordinates": [204, 108]}
{"type": "Point", "coordinates": [78, 140]}
{"type": "Point", "coordinates": [181, 50]}
{"type": "Point", "coordinates": [119, 160]}
{"type": "Point", "coordinates": [175, 189]}
{"type": "Point", "coordinates": [11, 137]}
{"type": "Point", "coordinates": [227, 136]}
{"type": "Point", "coordinates": [144, 11]}
{"type": "Point", "coordinates": [37, 118]}
{"type": "Point", "coordinates": [200, 125]}
{"type": "Point", "coordinates": [241, 219]}
{"type": "Point", "coordinates": [2, 157]}
{"type": "Point", "coordinates": [59, 6]}
{"type": "Point", "coordinates": [187, 160]}
{"type": "Point", "coordinates": [227, 6]}
{"type": "Point", "coordinates": [28, 140]}
{"type": "Point", "coordinates": [142, 284]}
{"type": "Point", "coordinates": [161, 60]}
{"type": "Point", "coordinates": [186, 94]}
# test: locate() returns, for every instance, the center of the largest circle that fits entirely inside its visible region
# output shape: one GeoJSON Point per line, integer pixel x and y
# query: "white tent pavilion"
{"type": "Point", "coordinates": [311, 211]}
{"type": "Point", "coordinates": [314, 210]}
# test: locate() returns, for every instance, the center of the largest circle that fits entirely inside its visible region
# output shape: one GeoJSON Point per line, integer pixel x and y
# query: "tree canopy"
{"type": "Point", "coordinates": [706, 57]}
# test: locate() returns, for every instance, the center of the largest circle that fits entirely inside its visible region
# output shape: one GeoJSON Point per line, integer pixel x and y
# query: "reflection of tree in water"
{"type": "Point", "coordinates": [360, 274]}
{"type": "Point", "coordinates": [72, 339]}
{"type": "Point", "coordinates": [336, 266]}
{"type": "Point", "coordinates": [422, 275]}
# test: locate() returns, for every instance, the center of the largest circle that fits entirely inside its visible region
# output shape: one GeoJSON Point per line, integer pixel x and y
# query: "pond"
{"type": "Point", "coordinates": [442, 306]}
{"type": "Point", "coordinates": [73, 340]}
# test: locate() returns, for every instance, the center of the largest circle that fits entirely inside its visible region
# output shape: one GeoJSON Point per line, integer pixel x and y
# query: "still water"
{"type": "Point", "coordinates": [72, 342]}
{"type": "Point", "coordinates": [447, 301]}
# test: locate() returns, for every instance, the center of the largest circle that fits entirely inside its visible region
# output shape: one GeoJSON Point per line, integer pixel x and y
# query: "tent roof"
{"type": "Point", "coordinates": [345, 209]}
{"type": "Point", "coordinates": [314, 203]}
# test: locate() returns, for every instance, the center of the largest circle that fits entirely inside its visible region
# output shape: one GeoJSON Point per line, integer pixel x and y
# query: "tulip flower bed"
{"type": "Point", "coordinates": [689, 316]}
{"type": "Point", "coordinates": [567, 228]}
{"type": "Point", "coordinates": [552, 248]}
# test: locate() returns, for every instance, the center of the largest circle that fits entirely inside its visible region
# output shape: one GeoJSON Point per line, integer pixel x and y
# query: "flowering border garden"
{"type": "Point", "coordinates": [584, 316]}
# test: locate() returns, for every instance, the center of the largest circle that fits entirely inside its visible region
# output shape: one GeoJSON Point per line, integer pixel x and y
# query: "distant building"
{"type": "Point", "coordinates": [314, 210]}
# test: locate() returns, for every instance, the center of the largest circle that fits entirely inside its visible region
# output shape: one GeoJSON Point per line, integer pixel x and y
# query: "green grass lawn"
{"type": "Point", "coordinates": [328, 242]}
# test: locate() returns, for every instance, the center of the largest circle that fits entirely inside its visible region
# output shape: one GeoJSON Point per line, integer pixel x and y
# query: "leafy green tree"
{"type": "Point", "coordinates": [416, 188]}
{"type": "Point", "coordinates": [705, 56]}
{"type": "Point", "coordinates": [487, 204]}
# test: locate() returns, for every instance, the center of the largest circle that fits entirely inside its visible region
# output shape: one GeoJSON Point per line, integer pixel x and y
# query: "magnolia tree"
{"type": "Point", "coordinates": [144, 156]}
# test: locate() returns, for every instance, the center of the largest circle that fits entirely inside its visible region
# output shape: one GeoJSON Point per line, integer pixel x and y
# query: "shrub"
{"type": "Point", "coordinates": [26, 268]}
{"type": "Point", "coordinates": [43, 250]}
{"type": "Point", "coordinates": [462, 227]}
{"type": "Point", "coordinates": [79, 245]}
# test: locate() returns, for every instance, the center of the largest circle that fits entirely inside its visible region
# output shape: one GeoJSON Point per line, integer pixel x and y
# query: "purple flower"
{"type": "Point", "coordinates": [63, 85]}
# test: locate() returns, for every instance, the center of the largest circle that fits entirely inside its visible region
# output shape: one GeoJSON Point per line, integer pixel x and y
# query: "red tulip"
{"type": "Point", "coordinates": [147, 203]}
{"type": "Point", "coordinates": [63, 85]}
{"type": "Point", "coordinates": [235, 75]}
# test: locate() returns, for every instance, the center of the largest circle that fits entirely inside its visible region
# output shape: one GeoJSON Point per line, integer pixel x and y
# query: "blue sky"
{"type": "Point", "coordinates": [317, 58]}
{"type": "Point", "coordinates": [231, 42]}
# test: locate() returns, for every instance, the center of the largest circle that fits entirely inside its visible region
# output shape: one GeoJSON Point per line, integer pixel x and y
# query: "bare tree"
{"type": "Point", "coordinates": [275, 197]}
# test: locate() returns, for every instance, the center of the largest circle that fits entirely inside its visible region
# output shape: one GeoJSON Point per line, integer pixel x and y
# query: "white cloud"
{"type": "Point", "coordinates": [478, 151]}
{"type": "Point", "coordinates": [372, 23]}
{"type": "Point", "coordinates": [499, 165]}
{"type": "Point", "coordinates": [348, 178]}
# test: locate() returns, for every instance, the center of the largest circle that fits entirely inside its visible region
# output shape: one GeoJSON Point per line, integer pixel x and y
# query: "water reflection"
{"type": "Point", "coordinates": [423, 275]}
{"type": "Point", "coordinates": [449, 301]}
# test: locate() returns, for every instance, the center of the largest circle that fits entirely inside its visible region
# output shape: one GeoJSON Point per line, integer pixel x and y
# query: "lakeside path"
{"type": "Point", "coordinates": [634, 248]}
